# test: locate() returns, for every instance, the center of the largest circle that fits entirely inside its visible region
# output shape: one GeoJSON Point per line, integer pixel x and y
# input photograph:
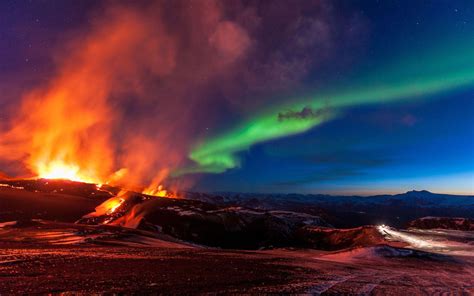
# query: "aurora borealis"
{"type": "Point", "coordinates": [432, 75]}
{"type": "Point", "coordinates": [257, 96]}
{"type": "Point", "coordinates": [402, 75]}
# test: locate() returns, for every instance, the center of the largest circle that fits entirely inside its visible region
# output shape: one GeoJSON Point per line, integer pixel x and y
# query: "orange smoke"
{"type": "Point", "coordinates": [124, 100]}
{"type": "Point", "coordinates": [65, 130]}
{"type": "Point", "coordinates": [156, 188]}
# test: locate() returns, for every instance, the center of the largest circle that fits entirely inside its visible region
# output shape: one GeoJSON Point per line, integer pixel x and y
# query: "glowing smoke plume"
{"type": "Point", "coordinates": [135, 88]}
{"type": "Point", "coordinates": [65, 130]}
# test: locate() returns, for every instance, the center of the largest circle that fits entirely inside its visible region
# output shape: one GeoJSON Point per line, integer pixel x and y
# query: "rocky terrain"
{"type": "Point", "coordinates": [68, 237]}
{"type": "Point", "coordinates": [443, 223]}
{"type": "Point", "coordinates": [352, 211]}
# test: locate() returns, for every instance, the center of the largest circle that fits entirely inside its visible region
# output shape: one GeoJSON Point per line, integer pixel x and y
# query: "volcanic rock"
{"type": "Point", "coordinates": [464, 224]}
{"type": "Point", "coordinates": [336, 239]}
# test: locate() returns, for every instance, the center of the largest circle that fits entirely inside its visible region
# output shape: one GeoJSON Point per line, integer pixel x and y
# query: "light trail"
{"type": "Point", "coordinates": [412, 240]}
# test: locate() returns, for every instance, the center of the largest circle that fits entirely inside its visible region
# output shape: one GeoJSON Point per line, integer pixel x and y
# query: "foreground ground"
{"type": "Point", "coordinates": [43, 251]}
{"type": "Point", "coordinates": [38, 268]}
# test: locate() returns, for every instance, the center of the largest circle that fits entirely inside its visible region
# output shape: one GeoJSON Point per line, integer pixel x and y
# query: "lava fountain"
{"type": "Point", "coordinates": [72, 128]}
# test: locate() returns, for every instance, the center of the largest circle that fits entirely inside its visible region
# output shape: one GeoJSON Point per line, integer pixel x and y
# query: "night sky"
{"type": "Point", "coordinates": [351, 97]}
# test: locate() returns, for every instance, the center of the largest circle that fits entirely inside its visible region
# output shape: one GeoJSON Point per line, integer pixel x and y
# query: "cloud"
{"type": "Point", "coordinates": [305, 113]}
{"type": "Point", "coordinates": [230, 40]}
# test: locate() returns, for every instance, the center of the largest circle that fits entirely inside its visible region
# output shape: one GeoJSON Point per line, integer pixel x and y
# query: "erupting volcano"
{"type": "Point", "coordinates": [73, 127]}
{"type": "Point", "coordinates": [228, 147]}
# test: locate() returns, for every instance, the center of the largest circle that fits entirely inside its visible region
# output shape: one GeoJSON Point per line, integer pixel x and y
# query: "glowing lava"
{"type": "Point", "coordinates": [66, 128]}
{"type": "Point", "coordinates": [61, 170]}
{"type": "Point", "coordinates": [114, 204]}
{"type": "Point", "coordinates": [156, 188]}
{"type": "Point", "coordinates": [156, 191]}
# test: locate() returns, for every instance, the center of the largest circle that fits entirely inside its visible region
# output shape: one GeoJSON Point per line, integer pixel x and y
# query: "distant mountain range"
{"type": "Point", "coordinates": [228, 220]}
{"type": "Point", "coordinates": [339, 211]}
{"type": "Point", "coordinates": [351, 211]}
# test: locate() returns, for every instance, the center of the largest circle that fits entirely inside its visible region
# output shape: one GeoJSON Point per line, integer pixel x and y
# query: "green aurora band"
{"type": "Point", "coordinates": [408, 78]}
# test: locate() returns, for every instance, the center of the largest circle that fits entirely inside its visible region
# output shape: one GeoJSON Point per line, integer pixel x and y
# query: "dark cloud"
{"type": "Point", "coordinates": [305, 113]}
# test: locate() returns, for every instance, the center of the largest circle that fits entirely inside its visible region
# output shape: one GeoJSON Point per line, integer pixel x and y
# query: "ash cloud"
{"type": "Point", "coordinates": [142, 81]}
